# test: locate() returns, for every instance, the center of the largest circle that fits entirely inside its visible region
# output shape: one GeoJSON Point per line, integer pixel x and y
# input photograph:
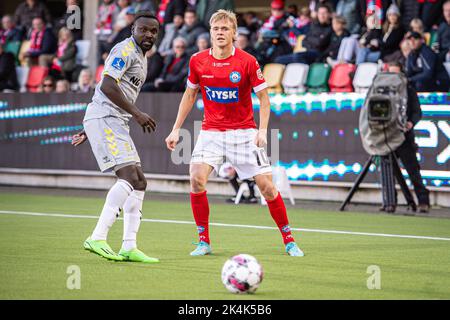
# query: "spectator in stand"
{"type": "Point", "coordinates": [175, 69]}
{"type": "Point", "coordinates": [316, 41]}
{"type": "Point", "coordinates": [171, 32]}
{"type": "Point", "coordinates": [251, 22]}
{"type": "Point", "coordinates": [430, 13]}
{"type": "Point", "coordinates": [62, 86]}
{"type": "Point", "coordinates": [443, 35]}
{"type": "Point", "coordinates": [144, 5]}
{"type": "Point", "coordinates": [292, 10]}
{"type": "Point", "coordinates": [122, 34]}
{"type": "Point", "coordinates": [43, 44]}
{"type": "Point", "coordinates": [106, 18]}
{"type": "Point", "coordinates": [191, 29]}
{"type": "Point", "coordinates": [409, 10]}
{"type": "Point", "coordinates": [297, 26]}
{"type": "Point", "coordinates": [405, 49]}
{"type": "Point", "coordinates": [27, 11]}
{"type": "Point", "coordinates": [370, 43]}
{"type": "Point", "coordinates": [168, 9]}
{"type": "Point", "coordinates": [63, 64]}
{"type": "Point", "coordinates": [67, 17]}
{"type": "Point", "coordinates": [315, 4]}
{"type": "Point", "coordinates": [370, 7]}
{"type": "Point", "coordinates": [423, 69]}
{"type": "Point", "coordinates": [243, 42]}
{"type": "Point", "coordinates": [9, 32]}
{"type": "Point", "coordinates": [330, 54]}
{"type": "Point", "coordinates": [47, 85]}
{"type": "Point", "coordinates": [348, 9]}
{"type": "Point", "coordinates": [203, 42]}
{"type": "Point", "coordinates": [85, 82]}
{"type": "Point", "coordinates": [121, 21]}
{"type": "Point", "coordinates": [278, 18]}
{"type": "Point", "coordinates": [8, 76]}
{"type": "Point", "coordinates": [393, 34]}
{"type": "Point", "coordinates": [155, 64]}
{"type": "Point", "coordinates": [206, 8]}
{"type": "Point", "coordinates": [416, 25]}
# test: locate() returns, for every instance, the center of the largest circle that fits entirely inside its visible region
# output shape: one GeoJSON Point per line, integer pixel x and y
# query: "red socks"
{"type": "Point", "coordinates": [200, 209]}
{"type": "Point", "coordinates": [278, 212]}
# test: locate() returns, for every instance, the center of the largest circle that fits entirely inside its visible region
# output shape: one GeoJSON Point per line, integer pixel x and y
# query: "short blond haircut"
{"type": "Point", "coordinates": [224, 15]}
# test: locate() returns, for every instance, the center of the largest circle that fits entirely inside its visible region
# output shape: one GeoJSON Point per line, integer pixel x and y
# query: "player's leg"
{"type": "Point", "coordinates": [278, 211]}
{"type": "Point", "coordinates": [199, 173]}
{"type": "Point", "coordinates": [132, 213]}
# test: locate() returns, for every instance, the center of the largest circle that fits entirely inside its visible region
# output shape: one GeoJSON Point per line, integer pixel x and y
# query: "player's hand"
{"type": "Point", "coordinates": [79, 138]}
{"type": "Point", "coordinates": [172, 139]}
{"type": "Point", "coordinates": [261, 138]}
{"type": "Point", "coordinates": [145, 121]}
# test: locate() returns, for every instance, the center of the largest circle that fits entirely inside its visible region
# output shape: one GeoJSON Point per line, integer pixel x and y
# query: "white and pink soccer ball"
{"type": "Point", "coordinates": [242, 274]}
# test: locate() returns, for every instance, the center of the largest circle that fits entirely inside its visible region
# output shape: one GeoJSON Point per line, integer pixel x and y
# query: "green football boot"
{"type": "Point", "coordinates": [136, 255]}
{"type": "Point", "coordinates": [101, 248]}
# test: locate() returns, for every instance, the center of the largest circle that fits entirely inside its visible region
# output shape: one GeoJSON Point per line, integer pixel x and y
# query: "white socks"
{"type": "Point", "coordinates": [132, 212]}
{"type": "Point", "coordinates": [115, 200]}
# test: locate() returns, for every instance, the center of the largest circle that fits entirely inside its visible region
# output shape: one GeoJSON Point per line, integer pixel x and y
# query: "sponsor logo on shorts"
{"type": "Point", "coordinates": [235, 77]}
{"type": "Point", "coordinates": [118, 64]}
{"type": "Point", "coordinates": [222, 95]}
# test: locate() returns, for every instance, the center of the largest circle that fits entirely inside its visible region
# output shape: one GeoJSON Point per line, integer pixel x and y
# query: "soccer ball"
{"type": "Point", "coordinates": [242, 274]}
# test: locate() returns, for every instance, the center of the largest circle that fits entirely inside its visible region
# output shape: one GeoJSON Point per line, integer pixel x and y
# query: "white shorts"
{"type": "Point", "coordinates": [111, 143]}
{"type": "Point", "coordinates": [234, 146]}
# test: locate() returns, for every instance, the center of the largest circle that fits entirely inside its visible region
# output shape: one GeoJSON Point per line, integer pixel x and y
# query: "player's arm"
{"type": "Point", "coordinates": [79, 138]}
{"type": "Point", "coordinates": [186, 104]}
{"type": "Point", "coordinates": [264, 115]}
{"type": "Point", "coordinates": [111, 90]}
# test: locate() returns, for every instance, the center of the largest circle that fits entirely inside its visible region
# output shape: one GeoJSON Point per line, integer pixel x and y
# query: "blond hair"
{"type": "Point", "coordinates": [224, 15]}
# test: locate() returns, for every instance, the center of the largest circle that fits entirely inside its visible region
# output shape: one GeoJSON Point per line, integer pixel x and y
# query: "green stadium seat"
{"type": "Point", "coordinates": [318, 76]}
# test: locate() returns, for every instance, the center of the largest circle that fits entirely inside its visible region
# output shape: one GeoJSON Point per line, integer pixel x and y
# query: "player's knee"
{"type": "Point", "coordinates": [268, 191]}
{"type": "Point", "coordinates": [141, 184]}
{"type": "Point", "coordinates": [198, 184]}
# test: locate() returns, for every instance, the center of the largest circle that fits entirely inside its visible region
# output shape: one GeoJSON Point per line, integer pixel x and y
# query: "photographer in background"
{"type": "Point", "coordinates": [407, 151]}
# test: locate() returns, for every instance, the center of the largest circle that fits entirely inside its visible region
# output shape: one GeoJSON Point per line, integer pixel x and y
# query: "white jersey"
{"type": "Point", "coordinates": [127, 64]}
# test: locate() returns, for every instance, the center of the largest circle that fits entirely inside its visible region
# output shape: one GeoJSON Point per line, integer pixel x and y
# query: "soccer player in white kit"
{"type": "Point", "coordinates": [106, 127]}
{"type": "Point", "coordinates": [226, 76]}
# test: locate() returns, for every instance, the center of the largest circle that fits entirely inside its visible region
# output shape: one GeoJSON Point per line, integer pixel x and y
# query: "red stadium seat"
{"type": "Point", "coordinates": [35, 77]}
{"type": "Point", "coordinates": [340, 78]}
{"type": "Point", "coordinates": [98, 73]}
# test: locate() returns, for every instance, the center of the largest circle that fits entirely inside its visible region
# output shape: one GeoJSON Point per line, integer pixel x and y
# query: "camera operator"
{"type": "Point", "coordinates": [407, 151]}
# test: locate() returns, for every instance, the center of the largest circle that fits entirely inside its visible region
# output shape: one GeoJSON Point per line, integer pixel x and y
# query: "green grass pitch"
{"type": "Point", "coordinates": [36, 251]}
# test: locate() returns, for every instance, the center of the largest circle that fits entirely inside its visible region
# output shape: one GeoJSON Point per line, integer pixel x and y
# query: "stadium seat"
{"type": "Point", "coordinates": [294, 78]}
{"type": "Point", "coordinates": [35, 77]}
{"type": "Point", "coordinates": [22, 77]}
{"type": "Point", "coordinates": [98, 73]}
{"type": "Point", "coordinates": [299, 44]}
{"type": "Point", "coordinates": [318, 75]}
{"type": "Point", "coordinates": [13, 47]}
{"type": "Point", "coordinates": [341, 78]}
{"type": "Point", "coordinates": [24, 48]}
{"type": "Point", "coordinates": [273, 73]}
{"type": "Point", "coordinates": [83, 47]}
{"type": "Point", "coordinates": [365, 72]}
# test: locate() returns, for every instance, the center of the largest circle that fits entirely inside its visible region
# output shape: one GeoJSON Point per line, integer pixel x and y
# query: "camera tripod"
{"type": "Point", "coordinates": [389, 166]}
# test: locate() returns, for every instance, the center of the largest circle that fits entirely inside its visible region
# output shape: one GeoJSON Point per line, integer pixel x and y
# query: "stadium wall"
{"type": "Point", "coordinates": [317, 137]}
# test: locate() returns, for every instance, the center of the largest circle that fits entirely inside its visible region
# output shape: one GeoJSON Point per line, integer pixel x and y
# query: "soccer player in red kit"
{"type": "Point", "coordinates": [226, 76]}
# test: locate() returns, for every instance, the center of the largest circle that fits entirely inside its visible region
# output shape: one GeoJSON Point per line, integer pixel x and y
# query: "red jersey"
{"type": "Point", "coordinates": [226, 86]}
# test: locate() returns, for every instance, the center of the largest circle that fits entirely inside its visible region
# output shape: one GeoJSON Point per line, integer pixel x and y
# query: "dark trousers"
{"type": "Point", "coordinates": [306, 57]}
{"type": "Point", "coordinates": [407, 154]}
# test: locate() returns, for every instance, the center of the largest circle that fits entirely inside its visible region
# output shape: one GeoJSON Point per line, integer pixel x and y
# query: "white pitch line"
{"type": "Point", "coordinates": [386, 235]}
